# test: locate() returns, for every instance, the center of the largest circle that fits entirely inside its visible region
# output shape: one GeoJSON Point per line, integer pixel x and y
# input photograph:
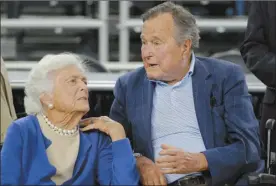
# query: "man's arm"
{"type": "Point", "coordinates": [254, 50]}
{"type": "Point", "coordinates": [149, 173]}
{"type": "Point", "coordinates": [242, 127]}
{"type": "Point", "coordinates": [118, 109]}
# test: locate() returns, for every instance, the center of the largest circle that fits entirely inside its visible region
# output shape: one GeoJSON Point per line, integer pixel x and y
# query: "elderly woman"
{"type": "Point", "coordinates": [47, 147]}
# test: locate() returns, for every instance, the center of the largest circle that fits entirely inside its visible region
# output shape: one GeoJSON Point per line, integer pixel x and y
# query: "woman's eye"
{"type": "Point", "coordinates": [73, 81]}
{"type": "Point", "coordinates": [156, 42]}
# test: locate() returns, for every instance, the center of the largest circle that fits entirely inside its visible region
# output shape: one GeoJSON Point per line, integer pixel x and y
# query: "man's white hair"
{"type": "Point", "coordinates": [39, 80]}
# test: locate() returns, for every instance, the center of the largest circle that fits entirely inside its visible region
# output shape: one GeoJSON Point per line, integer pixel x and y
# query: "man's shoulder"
{"type": "Point", "coordinates": [220, 68]}
{"type": "Point", "coordinates": [133, 77]}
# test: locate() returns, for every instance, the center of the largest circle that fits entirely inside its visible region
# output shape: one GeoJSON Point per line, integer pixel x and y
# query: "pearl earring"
{"type": "Point", "coordinates": [50, 106]}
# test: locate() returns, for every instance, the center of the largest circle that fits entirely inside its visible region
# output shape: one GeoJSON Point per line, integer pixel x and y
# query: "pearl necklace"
{"type": "Point", "coordinates": [60, 131]}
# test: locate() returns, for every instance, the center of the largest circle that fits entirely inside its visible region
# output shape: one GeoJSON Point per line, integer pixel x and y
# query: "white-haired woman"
{"type": "Point", "coordinates": [47, 147]}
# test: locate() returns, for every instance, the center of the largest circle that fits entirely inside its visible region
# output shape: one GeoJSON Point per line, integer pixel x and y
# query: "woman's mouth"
{"type": "Point", "coordinates": [83, 98]}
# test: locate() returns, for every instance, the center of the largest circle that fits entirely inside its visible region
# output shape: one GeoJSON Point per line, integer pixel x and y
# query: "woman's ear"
{"type": "Point", "coordinates": [46, 100]}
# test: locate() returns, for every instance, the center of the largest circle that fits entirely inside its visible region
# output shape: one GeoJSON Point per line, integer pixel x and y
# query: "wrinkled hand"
{"type": "Point", "coordinates": [150, 174]}
{"type": "Point", "coordinates": [112, 128]}
{"type": "Point", "coordinates": [173, 160]}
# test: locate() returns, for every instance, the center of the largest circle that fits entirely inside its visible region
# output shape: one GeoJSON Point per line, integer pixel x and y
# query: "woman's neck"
{"type": "Point", "coordinates": [64, 120]}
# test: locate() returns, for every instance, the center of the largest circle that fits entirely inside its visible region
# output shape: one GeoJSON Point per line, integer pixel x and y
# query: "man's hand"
{"type": "Point", "coordinates": [173, 160]}
{"type": "Point", "coordinates": [150, 174]}
{"type": "Point", "coordinates": [112, 128]}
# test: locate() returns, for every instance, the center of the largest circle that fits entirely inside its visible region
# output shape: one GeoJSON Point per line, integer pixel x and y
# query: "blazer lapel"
{"type": "Point", "coordinates": [147, 96]}
{"type": "Point", "coordinates": [202, 86]}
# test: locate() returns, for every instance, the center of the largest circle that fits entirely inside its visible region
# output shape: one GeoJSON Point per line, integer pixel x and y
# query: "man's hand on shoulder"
{"type": "Point", "coordinates": [150, 174]}
{"type": "Point", "coordinates": [173, 160]}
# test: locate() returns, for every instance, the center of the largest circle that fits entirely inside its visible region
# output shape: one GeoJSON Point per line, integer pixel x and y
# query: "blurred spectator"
{"type": "Point", "coordinates": [7, 107]}
{"type": "Point", "coordinates": [259, 53]}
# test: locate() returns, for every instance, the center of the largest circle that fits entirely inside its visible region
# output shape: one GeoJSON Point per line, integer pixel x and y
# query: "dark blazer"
{"type": "Point", "coordinates": [24, 160]}
{"type": "Point", "coordinates": [259, 47]}
{"type": "Point", "coordinates": [229, 128]}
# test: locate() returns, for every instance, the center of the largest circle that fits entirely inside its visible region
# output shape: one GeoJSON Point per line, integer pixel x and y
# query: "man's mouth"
{"type": "Point", "coordinates": [153, 65]}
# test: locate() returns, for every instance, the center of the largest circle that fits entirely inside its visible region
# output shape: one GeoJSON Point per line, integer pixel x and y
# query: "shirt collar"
{"type": "Point", "coordinates": [190, 72]}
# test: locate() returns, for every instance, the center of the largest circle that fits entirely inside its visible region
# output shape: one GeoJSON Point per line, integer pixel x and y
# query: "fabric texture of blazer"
{"type": "Point", "coordinates": [228, 126]}
{"type": "Point", "coordinates": [24, 160]}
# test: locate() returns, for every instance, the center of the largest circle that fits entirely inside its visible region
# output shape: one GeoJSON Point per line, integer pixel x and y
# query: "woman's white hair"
{"type": "Point", "coordinates": [39, 80]}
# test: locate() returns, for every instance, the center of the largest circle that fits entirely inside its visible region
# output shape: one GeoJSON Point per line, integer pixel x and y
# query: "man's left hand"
{"type": "Point", "coordinates": [173, 160]}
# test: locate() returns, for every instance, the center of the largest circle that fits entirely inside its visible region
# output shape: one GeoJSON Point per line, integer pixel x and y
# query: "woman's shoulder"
{"type": "Point", "coordinates": [26, 121]}
{"type": "Point", "coordinates": [96, 136]}
{"type": "Point", "coordinates": [24, 124]}
{"type": "Point", "coordinates": [21, 129]}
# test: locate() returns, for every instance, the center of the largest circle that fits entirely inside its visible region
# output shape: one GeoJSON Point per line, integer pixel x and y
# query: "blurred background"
{"type": "Point", "coordinates": [107, 35]}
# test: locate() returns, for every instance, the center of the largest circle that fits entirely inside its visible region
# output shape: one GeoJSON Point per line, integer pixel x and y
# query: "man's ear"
{"type": "Point", "coordinates": [186, 47]}
{"type": "Point", "coordinates": [46, 99]}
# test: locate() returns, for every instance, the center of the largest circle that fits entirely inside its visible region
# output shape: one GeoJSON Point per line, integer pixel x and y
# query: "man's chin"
{"type": "Point", "coordinates": [152, 76]}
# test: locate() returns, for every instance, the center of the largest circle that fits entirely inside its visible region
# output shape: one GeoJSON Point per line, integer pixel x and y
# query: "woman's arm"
{"type": "Point", "coordinates": [11, 154]}
{"type": "Point", "coordinates": [116, 165]}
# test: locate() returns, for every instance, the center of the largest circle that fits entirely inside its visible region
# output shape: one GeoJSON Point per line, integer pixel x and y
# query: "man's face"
{"type": "Point", "coordinates": [162, 56]}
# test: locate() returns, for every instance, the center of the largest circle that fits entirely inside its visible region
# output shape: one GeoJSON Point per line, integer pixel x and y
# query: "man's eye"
{"type": "Point", "coordinates": [73, 81]}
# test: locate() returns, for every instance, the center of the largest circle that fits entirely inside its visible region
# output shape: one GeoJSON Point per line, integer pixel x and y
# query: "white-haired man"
{"type": "Point", "coordinates": [190, 118]}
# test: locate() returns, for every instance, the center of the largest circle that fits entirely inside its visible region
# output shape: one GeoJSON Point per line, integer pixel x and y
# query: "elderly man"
{"type": "Point", "coordinates": [7, 107]}
{"type": "Point", "coordinates": [190, 118]}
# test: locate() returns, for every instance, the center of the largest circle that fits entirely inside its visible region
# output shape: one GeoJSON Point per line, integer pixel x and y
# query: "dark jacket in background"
{"type": "Point", "coordinates": [259, 53]}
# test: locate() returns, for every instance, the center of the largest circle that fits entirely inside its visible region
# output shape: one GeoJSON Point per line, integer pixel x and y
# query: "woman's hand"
{"type": "Point", "coordinates": [112, 128]}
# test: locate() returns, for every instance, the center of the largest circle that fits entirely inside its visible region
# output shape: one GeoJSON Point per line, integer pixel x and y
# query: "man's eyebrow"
{"type": "Point", "coordinates": [154, 37]}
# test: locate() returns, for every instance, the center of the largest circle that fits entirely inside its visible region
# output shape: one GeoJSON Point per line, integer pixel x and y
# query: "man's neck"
{"type": "Point", "coordinates": [182, 73]}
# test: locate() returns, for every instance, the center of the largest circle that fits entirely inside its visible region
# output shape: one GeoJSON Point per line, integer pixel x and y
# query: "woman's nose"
{"type": "Point", "coordinates": [83, 86]}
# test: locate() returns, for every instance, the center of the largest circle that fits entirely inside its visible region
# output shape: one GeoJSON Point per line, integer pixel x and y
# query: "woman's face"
{"type": "Point", "coordinates": [70, 93]}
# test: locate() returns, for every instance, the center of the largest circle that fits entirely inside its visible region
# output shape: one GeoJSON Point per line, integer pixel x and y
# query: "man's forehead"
{"type": "Point", "coordinates": [156, 31]}
{"type": "Point", "coordinates": [158, 24]}
{"type": "Point", "coordinates": [161, 19]}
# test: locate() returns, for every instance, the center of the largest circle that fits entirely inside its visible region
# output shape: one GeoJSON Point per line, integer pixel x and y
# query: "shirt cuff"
{"type": "Point", "coordinates": [121, 148]}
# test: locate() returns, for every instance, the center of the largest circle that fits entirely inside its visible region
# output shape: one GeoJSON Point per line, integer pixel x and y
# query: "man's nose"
{"type": "Point", "coordinates": [147, 51]}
